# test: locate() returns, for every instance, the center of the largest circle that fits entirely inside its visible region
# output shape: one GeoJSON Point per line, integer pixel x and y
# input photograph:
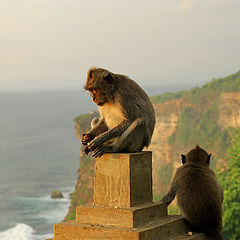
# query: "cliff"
{"type": "Point", "coordinates": [207, 116]}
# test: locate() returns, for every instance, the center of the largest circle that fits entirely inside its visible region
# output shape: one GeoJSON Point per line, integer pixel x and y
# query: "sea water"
{"type": "Point", "coordinates": [39, 153]}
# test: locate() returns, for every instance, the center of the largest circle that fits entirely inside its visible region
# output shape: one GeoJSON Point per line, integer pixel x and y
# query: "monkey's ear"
{"type": "Point", "coordinates": [183, 158]}
{"type": "Point", "coordinates": [109, 78]}
{"type": "Point", "coordinates": [208, 158]}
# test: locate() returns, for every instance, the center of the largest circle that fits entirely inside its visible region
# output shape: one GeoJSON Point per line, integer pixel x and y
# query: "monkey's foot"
{"type": "Point", "coordinates": [86, 150]}
{"type": "Point", "coordinates": [99, 151]}
{"type": "Point", "coordinates": [94, 144]}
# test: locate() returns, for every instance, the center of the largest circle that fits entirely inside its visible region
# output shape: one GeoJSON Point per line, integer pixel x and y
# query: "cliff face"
{"type": "Point", "coordinates": [207, 116]}
{"type": "Point", "coordinates": [84, 186]}
{"type": "Point", "coordinates": [167, 115]}
{"type": "Point", "coordinates": [166, 155]}
{"type": "Point", "coordinates": [229, 110]}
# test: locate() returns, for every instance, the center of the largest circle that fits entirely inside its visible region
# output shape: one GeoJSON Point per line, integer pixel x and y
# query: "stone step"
{"type": "Point", "coordinates": [195, 236]}
{"type": "Point", "coordinates": [122, 217]}
{"type": "Point", "coordinates": [162, 229]}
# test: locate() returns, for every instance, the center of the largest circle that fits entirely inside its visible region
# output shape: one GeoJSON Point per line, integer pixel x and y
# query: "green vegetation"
{"type": "Point", "coordinates": [71, 213]}
{"type": "Point", "coordinates": [205, 93]}
{"type": "Point", "coordinates": [167, 97]}
{"type": "Point", "coordinates": [157, 197]}
{"type": "Point", "coordinates": [83, 116]}
{"type": "Point", "coordinates": [165, 175]}
{"type": "Point", "coordinates": [197, 124]}
{"type": "Point", "coordinates": [227, 84]}
{"type": "Point", "coordinates": [164, 178]}
{"type": "Point", "coordinates": [174, 210]}
{"type": "Point", "coordinates": [85, 161]}
{"type": "Point", "coordinates": [230, 181]}
{"type": "Point", "coordinates": [85, 119]}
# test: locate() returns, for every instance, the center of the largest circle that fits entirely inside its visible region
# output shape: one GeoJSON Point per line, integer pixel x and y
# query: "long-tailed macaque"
{"type": "Point", "coordinates": [199, 195]}
{"type": "Point", "coordinates": [127, 117]}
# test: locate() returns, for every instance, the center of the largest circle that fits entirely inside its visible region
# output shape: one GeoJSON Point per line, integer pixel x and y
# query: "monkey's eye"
{"type": "Point", "coordinates": [94, 91]}
{"type": "Point", "coordinates": [90, 90]}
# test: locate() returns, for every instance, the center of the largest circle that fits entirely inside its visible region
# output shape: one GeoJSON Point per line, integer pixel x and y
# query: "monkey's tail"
{"type": "Point", "coordinates": [215, 235]}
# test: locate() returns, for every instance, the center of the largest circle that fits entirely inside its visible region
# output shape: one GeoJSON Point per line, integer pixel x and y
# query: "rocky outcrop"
{"type": "Point", "coordinates": [56, 194]}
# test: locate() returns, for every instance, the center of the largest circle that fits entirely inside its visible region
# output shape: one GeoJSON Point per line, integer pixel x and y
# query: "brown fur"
{"type": "Point", "coordinates": [199, 195]}
{"type": "Point", "coordinates": [126, 114]}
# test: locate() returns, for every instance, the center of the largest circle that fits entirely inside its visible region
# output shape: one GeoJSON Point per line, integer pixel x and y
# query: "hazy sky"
{"type": "Point", "coordinates": [52, 43]}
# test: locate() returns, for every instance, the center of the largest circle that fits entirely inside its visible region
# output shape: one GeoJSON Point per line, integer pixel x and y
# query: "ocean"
{"type": "Point", "coordinates": [39, 153]}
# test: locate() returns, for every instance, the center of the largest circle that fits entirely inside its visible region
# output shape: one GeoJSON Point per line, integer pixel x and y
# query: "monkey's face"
{"type": "Point", "coordinates": [100, 84]}
{"type": "Point", "coordinates": [98, 96]}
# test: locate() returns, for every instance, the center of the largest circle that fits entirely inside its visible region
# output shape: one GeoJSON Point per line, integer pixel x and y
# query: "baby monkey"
{"type": "Point", "coordinates": [199, 195]}
{"type": "Point", "coordinates": [127, 117]}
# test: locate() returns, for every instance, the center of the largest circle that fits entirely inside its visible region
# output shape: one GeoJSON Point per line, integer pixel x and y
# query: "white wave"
{"type": "Point", "coordinates": [55, 214]}
{"type": "Point", "coordinates": [21, 232]}
{"type": "Point", "coordinates": [57, 211]}
{"type": "Point", "coordinates": [38, 210]}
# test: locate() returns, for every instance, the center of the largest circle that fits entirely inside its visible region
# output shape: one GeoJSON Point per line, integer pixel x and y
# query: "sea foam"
{"type": "Point", "coordinates": [45, 209]}
{"type": "Point", "coordinates": [21, 232]}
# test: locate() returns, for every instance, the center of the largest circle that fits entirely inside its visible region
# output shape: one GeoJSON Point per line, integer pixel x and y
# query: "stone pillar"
{"type": "Point", "coordinates": [122, 207]}
{"type": "Point", "coordinates": [123, 180]}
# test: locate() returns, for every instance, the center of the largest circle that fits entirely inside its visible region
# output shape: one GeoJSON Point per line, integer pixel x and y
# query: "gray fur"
{"type": "Point", "coordinates": [126, 114]}
{"type": "Point", "coordinates": [199, 194]}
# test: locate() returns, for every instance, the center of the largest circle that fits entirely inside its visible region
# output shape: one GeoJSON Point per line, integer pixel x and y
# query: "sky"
{"type": "Point", "coordinates": [47, 44]}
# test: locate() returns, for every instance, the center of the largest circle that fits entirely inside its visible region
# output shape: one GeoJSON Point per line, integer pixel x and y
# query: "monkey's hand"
{"type": "Point", "coordinates": [167, 199]}
{"type": "Point", "coordinates": [86, 138]}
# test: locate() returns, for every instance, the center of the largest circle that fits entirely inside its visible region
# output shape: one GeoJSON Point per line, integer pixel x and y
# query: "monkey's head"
{"type": "Point", "coordinates": [101, 84]}
{"type": "Point", "coordinates": [197, 156]}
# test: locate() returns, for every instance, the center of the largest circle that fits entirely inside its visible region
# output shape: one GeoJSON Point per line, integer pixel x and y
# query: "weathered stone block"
{"type": "Point", "coordinates": [121, 217]}
{"type": "Point", "coordinates": [161, 229]}
{"type": "Point", "coordinates": [123, 179]}
{"type": "Point", "coordinates": [75, 231]}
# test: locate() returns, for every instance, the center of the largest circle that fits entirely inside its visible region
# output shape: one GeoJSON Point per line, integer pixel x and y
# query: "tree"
{"type": "Point", "coordinates": [230, 181]}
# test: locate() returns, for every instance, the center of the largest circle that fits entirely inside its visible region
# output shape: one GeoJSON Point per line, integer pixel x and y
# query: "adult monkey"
{"type": "Point", "coordinates": [127, 117]}
{"type": "Point", "coordinates": [199, 195]}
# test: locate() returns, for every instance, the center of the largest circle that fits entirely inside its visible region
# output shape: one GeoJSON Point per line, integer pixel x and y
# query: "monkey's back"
{"type": "Point", "coordinates": [136, 103]}
{"type": "Point", "coordinates": [199, 197]}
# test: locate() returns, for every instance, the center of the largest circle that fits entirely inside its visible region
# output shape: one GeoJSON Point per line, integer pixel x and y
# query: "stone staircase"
{"type": "Point", "coordinates": [123, 207]}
